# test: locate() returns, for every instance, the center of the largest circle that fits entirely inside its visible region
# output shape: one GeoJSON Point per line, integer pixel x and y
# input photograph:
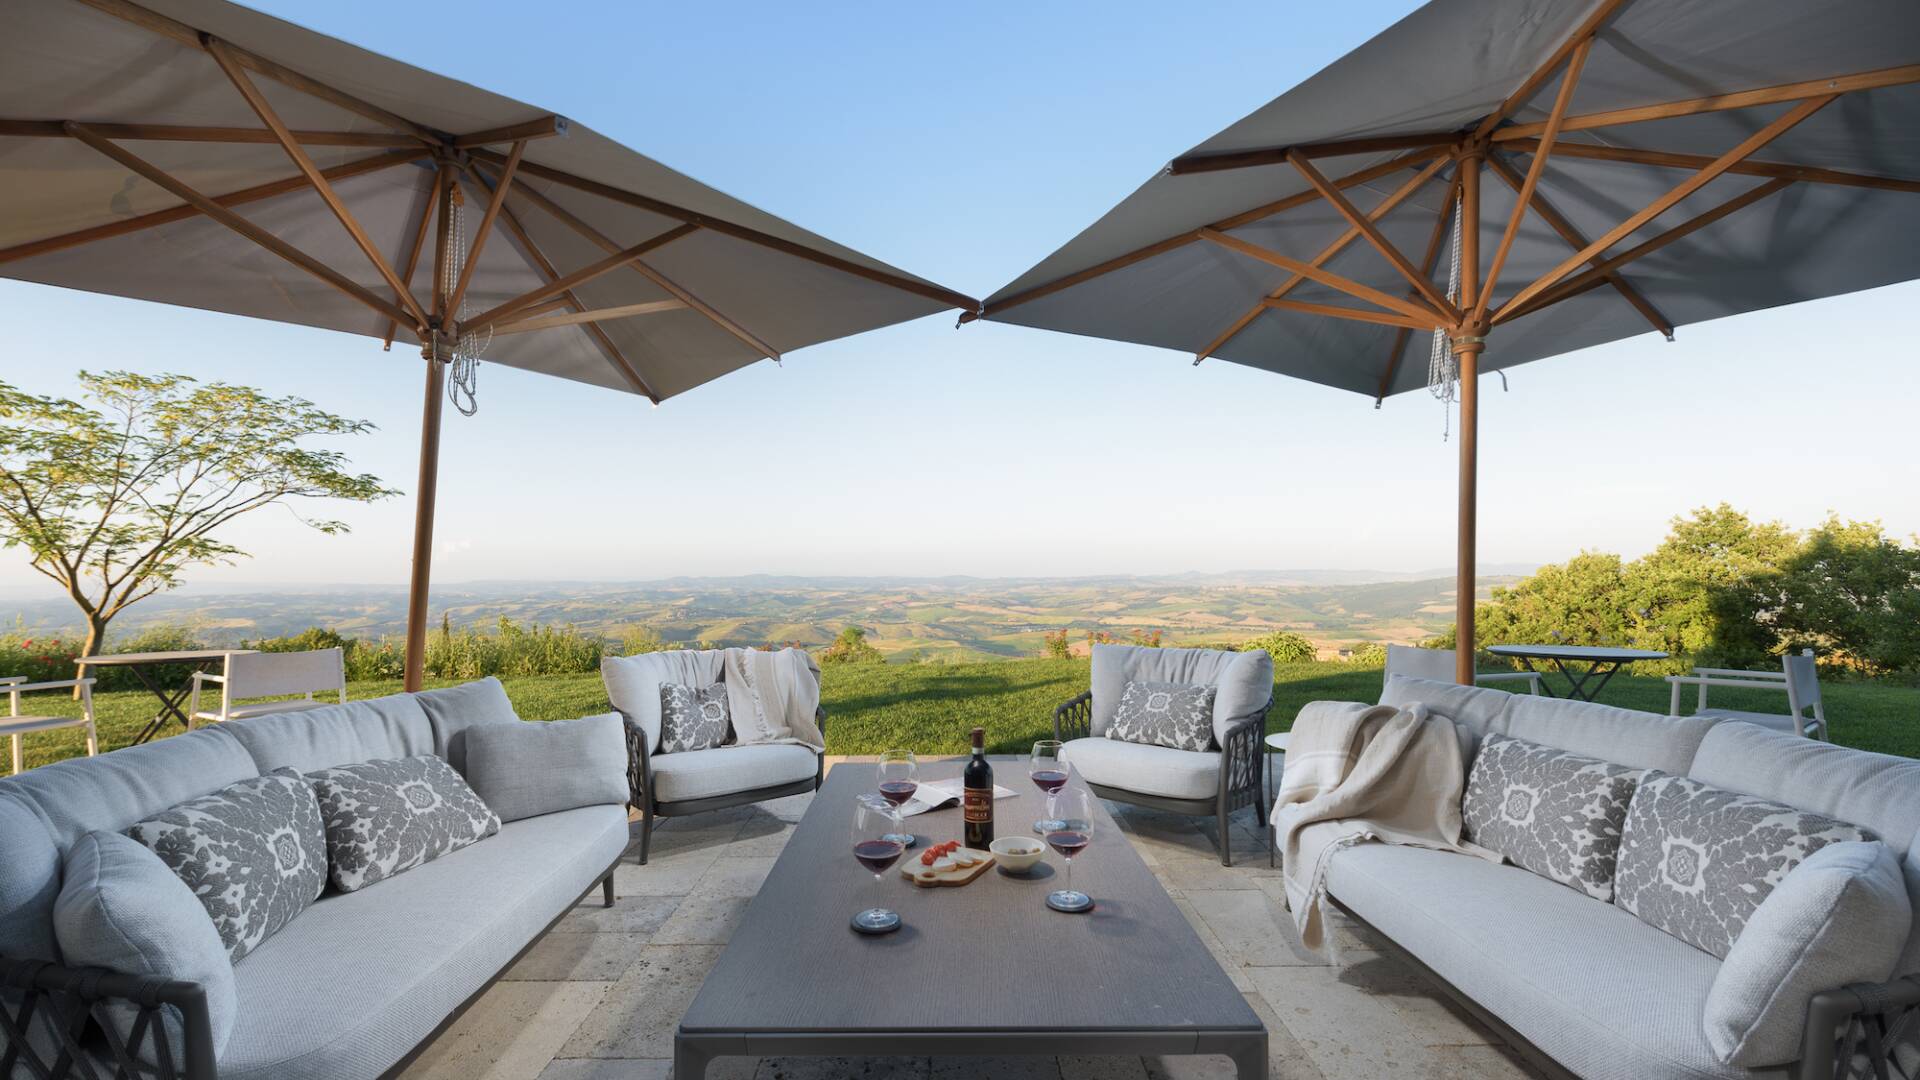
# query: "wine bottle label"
{"type": "Point", "coordinates": [978, 805]}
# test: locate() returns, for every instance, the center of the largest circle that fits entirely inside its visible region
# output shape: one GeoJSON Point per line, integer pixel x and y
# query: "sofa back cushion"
{"type": "Point", "coordinates": [1638, 740]}
{"type": "Point", "coordinates": [1242, 681]}
{"type": "Point", "coordinates": [1877, 791]}
{"type": "Point", "coordinates": [378, 729]}
{"type": "Point", "coordinates": [1474, 710]}
{"type": "Point", "coordinates": [454, 710]}
{"type": "Point", "coordinates": [633, 682]}
{"type": "Point", "coordinates": [29, 883]}
{"type": "Point", "coordinates": [527, 769]}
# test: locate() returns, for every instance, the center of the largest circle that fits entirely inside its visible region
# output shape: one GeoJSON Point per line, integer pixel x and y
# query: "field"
{"type": "Point", "coordinates": [929, 708]}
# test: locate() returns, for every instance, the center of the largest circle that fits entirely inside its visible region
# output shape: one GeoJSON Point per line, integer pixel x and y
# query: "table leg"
{"type": "Point", "coordinates": [169, 701]}
{"type": "Point", "coordinates": [1605, 675]}
{"type": "Point", "coordinates": [1249, 1058]}
{"type": "Point", "coordinates": [1545, 687]}
{"type": "Point", "coordinates": [689, 1061]}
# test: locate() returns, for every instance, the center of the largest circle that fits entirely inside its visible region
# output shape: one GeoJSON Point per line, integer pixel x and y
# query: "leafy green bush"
{"type": "Point", "coordinates": [851, 647]}
{"type": "Point", "coordinates": [38, 657]}
{"type": "Point", "coordinates": [1368, 654]}
{"type": "Point", "coordinates": [1284, 646]}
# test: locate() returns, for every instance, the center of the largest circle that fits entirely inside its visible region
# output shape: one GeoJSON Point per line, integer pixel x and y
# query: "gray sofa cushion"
{"type": "Point", "coordinates": [1601, 992]}
{"type": "Point", "coordinates": [633, 682]}
{"type": "Point", "coordinates": [1878, 791]}
{"type": "Point", "coordinates": [1242, 681]}
{"type": "Point", "coordinates": [123, 909]}
{"type": "Point", "coordinates": [1164, 714]}
{"type": "Point", "coordinates": [728, 770]}
{"type": "Point", "coordinates": [411, 950]}
{"type": "Point", "coordinates": [525, 769]}
{"type": "Point", "coordinates": [386, 817]}
{"type": "Point", "coordinates": [29, 882]}
{"type": "Point", "coordinates": [1839, 918]}
{"type": "Point", "coordinates": [253, 853]}
{"type": "Point", "coordinates": [1474, 710]}
{"type": "Point", "coordinates": [693, 717]}
{"type": "Point", "coordinates": [1696, 860]}
{"type": "Point", "coordinates": [1149, 770]}
{"type": "Point", "coordinates": [1638, 740]}
{"type": "Point", "coordinates": [378, 729]}
{"type": "Point", "coordinates": [1548, 811]}
{"type": "Point", "coordinates": [454, 710]}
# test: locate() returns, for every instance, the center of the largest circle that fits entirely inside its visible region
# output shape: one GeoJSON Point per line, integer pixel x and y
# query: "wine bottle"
{"type": "Point", "coordinates": [978, 795]}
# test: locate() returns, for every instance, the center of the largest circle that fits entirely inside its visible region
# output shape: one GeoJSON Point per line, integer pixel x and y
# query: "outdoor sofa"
{"type": "Point", "coordinates": [1583, 987]}
{"type": "Point", "coordinates": [357, 982]}
{"type": "Point", "coordinates": [1201, 783]}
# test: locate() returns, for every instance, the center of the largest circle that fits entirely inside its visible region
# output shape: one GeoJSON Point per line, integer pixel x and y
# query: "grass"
{"type": "Point", "coordinates": [930, 708]}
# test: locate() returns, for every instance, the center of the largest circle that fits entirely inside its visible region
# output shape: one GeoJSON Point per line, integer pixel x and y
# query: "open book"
{"type": "Point", "coordinates": [935, 794]}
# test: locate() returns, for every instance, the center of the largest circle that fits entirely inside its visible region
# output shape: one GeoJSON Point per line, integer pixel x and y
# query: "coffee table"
{"type": "Point", "coordinates": [984, 969]}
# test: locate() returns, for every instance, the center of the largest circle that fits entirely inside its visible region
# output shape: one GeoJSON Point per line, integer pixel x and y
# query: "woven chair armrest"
{"type": "Point", "coordinates": [1240, 751]}
{"type": "Point", "coordinates": [58, 1002]}
{"type": "Point", "coordinates": [1073, 718]}
{"type": "Point", "coordinates": [639, 764]}
{"type": "Point", "coordinates": [1853, 1021]}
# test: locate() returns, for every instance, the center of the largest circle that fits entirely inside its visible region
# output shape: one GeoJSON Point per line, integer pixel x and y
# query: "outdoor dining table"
{"type": "Point", "coordinates": [1601, 662]}
{"type": "Point", "coordinates": [144, 665]}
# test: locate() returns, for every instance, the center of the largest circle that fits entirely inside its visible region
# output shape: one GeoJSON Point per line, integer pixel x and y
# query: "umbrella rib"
{"type": "Point", "coordinates": [1382, 318]}
{"type": "Point", "coordinates": [1564, 99]}
{"type": "Point", "coordinates": [1427, 262]}
{"type": "Point", "coordinates": [413, 252]}
{"type": "Point", "coordinates": [189, 210]}
{"type": "Point", "coordinates": [237, 223]}
{"type": "Point", "coordinates": [230, 63]}
{"type": "Point", "coordinates": [1576, 240]}
{"type": "Point", "coordinates": [1600, 270]}
{"type": "Point", "coordinates": [593, 315]}
{"type": "Point", "coordinates": [1385, 247]}
{"type": "Point", "coordinates": [51, 129]}
{"type": "Point", "coordinates": [739, 232]}
{"type": "Point", "coordinates": [1582, 35]}
{"type": "Point", "coordinates": [578, 277]}
{"type": "Point", "coordinates": [533, 129]}
{"type": "Point", "coordinates": [1174, 243]}
{"type": "Point", "coordinates": [1188, 164]}
{"type": "Point", "coordinates": [1774, 169]}
{"type": "Point", "coordinates": [1665, 202]}
{"type": "Point", "coordinates": [479, 241]}
{"type": "Point", "coordinates": [1386, 205]}
{"type": "Point", "coordinates": [1405, 308]}
{"type": "Point", "coordinates": [544, 266]}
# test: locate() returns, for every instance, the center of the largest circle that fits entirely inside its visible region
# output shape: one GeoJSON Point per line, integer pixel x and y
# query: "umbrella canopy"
{"type": "Point", "coordinates": [199, 153]}
{"type": "Point", "coordinates": [1521, 178]}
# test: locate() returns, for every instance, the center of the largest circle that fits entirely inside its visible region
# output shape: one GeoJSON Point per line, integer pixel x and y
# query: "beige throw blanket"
{"type": "Point", "coordinates": [1355, 773]}
{"type": "Point", "coordinates": [772, 697]}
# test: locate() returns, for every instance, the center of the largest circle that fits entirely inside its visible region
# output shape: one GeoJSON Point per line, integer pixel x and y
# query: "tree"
{"type": "Point", "coordinates": [115, 495]}
{"type": "Point", "coordinates": [851, 647]}
{"type": "Point", "coordinates": [1851, 592]}
{"type": "Point", "coordinates": [1284, 646]}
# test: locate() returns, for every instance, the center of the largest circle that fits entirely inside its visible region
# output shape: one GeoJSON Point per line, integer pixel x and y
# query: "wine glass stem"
{"type": "Point", "coordinates": [1069, 873]}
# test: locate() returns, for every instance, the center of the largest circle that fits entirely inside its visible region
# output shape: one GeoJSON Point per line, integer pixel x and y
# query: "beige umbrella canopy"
{"type": "Point", "coordinates": [1490, 182]}
{"type": "Point", "coordinates": [199, 153]}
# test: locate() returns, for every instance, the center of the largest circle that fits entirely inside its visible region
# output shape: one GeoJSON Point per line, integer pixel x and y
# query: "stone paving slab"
{"type": "Point", "coordinates": [599, 999]}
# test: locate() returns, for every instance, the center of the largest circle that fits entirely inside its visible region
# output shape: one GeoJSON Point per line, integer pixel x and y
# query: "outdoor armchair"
{"type": "Point", "coordinates": [250, 675]}
{"type": "Point", "coordinates": [1211, 783]}
{"type": "Point", "coordinates": [1437, 665]}
{"type": "Point", "coordinates": [1799, 679]}
{"type": "Point", "coordinates": [16, 725]}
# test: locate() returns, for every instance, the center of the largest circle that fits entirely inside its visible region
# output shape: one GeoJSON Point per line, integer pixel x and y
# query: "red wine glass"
{"type": "Point", "coordinates": [898, 781]}
{"type": "Point", "coordinates": [1075, 832]}
{"type": "Point", "coordinates": [1049, 772]}
{"type": "Point", "coordinates": [874, 826]}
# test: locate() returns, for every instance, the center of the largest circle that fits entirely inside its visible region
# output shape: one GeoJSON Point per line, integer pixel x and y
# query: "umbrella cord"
{"type": "Point", "coordinates": [1443, 370]}
{"type": "Point", "coordinates": [463, 366]}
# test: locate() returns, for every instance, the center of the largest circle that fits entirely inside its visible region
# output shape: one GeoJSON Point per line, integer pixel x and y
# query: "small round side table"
{"type": "Point", "coordinates": [1277, 747]}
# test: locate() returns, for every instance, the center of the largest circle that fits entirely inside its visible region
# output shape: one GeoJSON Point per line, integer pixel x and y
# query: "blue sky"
{"type": "Point", "coordinates": [964, 144]}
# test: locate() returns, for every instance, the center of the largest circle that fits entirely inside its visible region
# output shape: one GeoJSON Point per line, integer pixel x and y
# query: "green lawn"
{"type": "Point", "coordinates": [929, 708]}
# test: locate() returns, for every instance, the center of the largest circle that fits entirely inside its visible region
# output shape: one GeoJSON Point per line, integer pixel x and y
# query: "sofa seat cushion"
{"type": "Point", "coordinates": [1148, 770]}
{"type": "Point", "coordinates": [727, 770]}
{"type": "Point", "coordinates": [360, 978]}
{"type": "Point", "coordinates": [1596, 989]}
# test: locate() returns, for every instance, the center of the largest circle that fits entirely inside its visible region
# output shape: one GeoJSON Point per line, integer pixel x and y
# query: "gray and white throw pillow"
{"type": "Point", "coordinates": [1553, 813]}
{"type": "Point", "coordinates": [693, 718]}
{"type": "Point", "coordinates": [253, 853]}
{"type": "Point", "coordinates": [1695, 861]}
{"type": "Point", "coordinates": [383, 817]}
{"type": "Point", "coordinates": [1164, 714]}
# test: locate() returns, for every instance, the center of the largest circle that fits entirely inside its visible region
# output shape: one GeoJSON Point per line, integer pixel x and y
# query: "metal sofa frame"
{"type": "Point", "coordinates": [643, 798]}
{"type": "Point", "coordinates": [1240, 783]}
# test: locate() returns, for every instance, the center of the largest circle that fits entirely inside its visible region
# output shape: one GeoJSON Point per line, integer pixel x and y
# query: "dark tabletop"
{"type": "Point", "coordinates": [1603, 654]}
{"type": "Point", "coordinates": [988, 956]}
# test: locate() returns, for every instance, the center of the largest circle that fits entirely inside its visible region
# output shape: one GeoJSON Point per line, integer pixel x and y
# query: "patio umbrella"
{"type": "Point", "coordinates": [1489, 182]}
{"type": "Point", "coordinates": [199, 153]}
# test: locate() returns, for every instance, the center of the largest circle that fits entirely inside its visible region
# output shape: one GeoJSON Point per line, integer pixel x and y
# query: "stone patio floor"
{"type": "Point", "coordinates": [599, 998]}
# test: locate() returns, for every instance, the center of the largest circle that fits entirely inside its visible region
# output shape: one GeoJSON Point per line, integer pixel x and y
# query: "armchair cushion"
{"type": "Point", "coordinates": [123, 909]}
{"type": "Point", "coordinates": [726, 770]}
{"type": "Point", "coordinates": [633, 682]}
{"type": "Point", "coordinates": [1148, 770]}
{"type": "Point", "coordinates": [693, 718]}
{"type": "Point", "coordinates": [526, 769]}
{"type": "Point", "coordinates": [1165, 714]}
{"type": "Point", "coordinates": [1837, 919]}
{"type": "Point", "coordinates": [1242, 681]}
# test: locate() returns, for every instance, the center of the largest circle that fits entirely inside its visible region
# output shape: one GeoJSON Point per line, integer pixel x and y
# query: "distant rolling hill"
{"type": "Point", "coordinates": [949, 618]}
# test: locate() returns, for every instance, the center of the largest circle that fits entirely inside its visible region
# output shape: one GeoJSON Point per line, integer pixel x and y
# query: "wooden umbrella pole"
{"type": "Point", "coordinates": [1468, 341]}
{"type": "Point", "coordinates": [429, 481]}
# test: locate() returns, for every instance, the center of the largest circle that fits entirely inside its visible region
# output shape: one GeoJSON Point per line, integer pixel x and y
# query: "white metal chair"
{"type": "Point", "coordinates": [1798, 677]}
{"type": "Point", "coordinates": [17, 725]}
{"type": "Point", "coordinates": [270, 674]}
{"type": "Point", "coordinates": [1437, 664]}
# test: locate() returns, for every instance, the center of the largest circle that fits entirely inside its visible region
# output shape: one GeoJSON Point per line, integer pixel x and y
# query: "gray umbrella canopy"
{"type": "Point", "coordinates": [1676, 160]}
{"type": "Point", "coordinates": [199, 153]}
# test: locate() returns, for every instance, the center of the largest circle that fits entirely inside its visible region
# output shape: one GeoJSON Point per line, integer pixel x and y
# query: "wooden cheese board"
{"type": "Point", "coordinates": [948, 869]}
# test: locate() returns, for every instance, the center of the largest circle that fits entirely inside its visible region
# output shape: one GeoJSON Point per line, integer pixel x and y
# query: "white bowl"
{"type": "Point", "coordinates": [1017, 854]}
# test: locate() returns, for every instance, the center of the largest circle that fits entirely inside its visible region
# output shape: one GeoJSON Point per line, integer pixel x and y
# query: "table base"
{"type": "Point", "coordinates": [693, 1051]}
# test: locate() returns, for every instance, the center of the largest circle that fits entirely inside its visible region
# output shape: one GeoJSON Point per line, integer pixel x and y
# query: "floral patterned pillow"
{"type": "Point", "coordinates": [693, 718]}
{"type": "Point", "coordinates": [1550, 812]}
{"type": "Point", "coordinates": [1164, 714]}
{"type": "Point", "coordinates": [253, 853]}
{"type": "Point", "coordinates": [383, 817]}
{"type": "Point", "coordinates": [1696, 861]}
